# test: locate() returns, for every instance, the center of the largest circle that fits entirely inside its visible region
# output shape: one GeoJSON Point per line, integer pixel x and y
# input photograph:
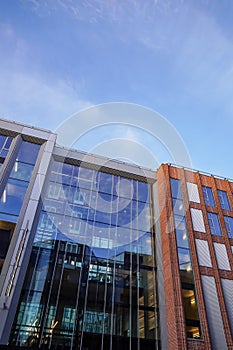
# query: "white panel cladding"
{"type": "Point", "coordinates": [221, 256]}
{"type": "Point", "coordinates": [197, 219]}
{"type": "Point", "coordinates": [193, 193]}
{"type": "Point", "coordinates": [227, 287]}
{"type": "Point", "coordinates": [213, 311]}
{"type": "Point", "coordinates": [203, 253]}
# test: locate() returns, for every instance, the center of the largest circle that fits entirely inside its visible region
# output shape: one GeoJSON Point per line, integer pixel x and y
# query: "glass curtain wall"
{"type": "Point", "coordinates": [5, 142]}
{"type": "Point", "coordinates": [91, 276]}
{"type": "Point", "coordinates": [17, 184]}
{"type": "Point", "coordinates": [13, 194]}
{"type": "Point", "coordinates": [185, 263]}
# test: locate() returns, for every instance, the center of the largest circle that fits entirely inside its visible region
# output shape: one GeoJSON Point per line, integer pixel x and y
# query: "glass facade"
{"type": "Point", "coordinates": [14, 192]}
{"type": "Point", "coordinates": [185, 265]}
{"type": "Point", "coordinates": [224, 202]}
{"type": "Point", "coordinates": [208, 196]}
{"type": "Point", "coordinates": [17, 184]}
{"type": "Point", "coordinates": [229, 225]}
{"type": "Point", "coordinates": [5, 142]}
{"type": "Point", "coordinates": [215, 228]}
{"type": "Point", "coordinates": [91, 278]}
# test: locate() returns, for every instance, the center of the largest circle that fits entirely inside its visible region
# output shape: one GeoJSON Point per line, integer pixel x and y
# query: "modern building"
{"type": "Point", "coordinates": [100, 254]}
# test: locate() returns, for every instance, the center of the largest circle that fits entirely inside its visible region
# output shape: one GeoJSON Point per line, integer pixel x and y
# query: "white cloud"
{"type": "Point", "coordinates": [29, 99]}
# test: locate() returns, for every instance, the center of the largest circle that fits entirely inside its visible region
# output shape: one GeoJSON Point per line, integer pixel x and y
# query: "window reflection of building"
{"type": "Point", "coordinates": [91, 271]}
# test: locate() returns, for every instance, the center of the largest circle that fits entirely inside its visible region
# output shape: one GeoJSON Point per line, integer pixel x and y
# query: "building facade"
{"type": "Point", "coordinates": [96, 253]}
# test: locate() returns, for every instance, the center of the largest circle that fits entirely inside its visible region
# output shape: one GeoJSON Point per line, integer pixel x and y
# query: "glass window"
{"type": "Point", "coordinates": [178, 207]}
{"type": "Point", "coordinates": [79, 197]}
{"type": "Point", "coordinates": [67, 169]}
{"type": "Point", "coordinates": [61, 173]}
{"type": "Point", "coordinates": [5, 142]}
{"type": "Point", "coordinates": [229, 225]}
{"type": "Point", "coordinates": [181, 232]}
{"type": "Point", "coordinates": [28, 152]}
{"type": "Point", "coordinates": [208, 196]}
{"type": "Point", "coordinates": [144, 216]}
{"type": "Point", "coordinates": [176, 188]}
{"type": "Point", "coordinates": [85, 178]}
{"type": "Point", "coordinates": [143, 191]}
{"type": "Point", "coordinates": [184, 257]}
{"type": "Point", "coordinates": [191, 313]}
{"type": "Point", "coordinates": [105, 183]}
{"type": "Point", "coordinates": [124, 217]}
{"type": "Point", "coordinates": [22, 171]}
{"type": "Point", "coordinates": [222, 195]}
{"type": "Point", "coordinates": [214, 224]}
{"type": "Point", "coordinates": [76, 211]}
{"type": "Point", "coordinates": [12, 197]}
{"type": "Point", "coordinates": [125, 188]}
{"type": "Point", "coordinates": [54, 206]}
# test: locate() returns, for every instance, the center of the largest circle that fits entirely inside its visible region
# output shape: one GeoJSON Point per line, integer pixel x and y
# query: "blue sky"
{"type": "Point", "coordinates": [173, 56]}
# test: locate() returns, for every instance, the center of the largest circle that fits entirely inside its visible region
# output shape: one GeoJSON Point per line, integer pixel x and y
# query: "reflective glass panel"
{"type": "Point", "coordinates": [214, 224]}
{"type": "Point", "coordinates": [229, 225]}
{"type": "Point", "coordinates": [224, 202]}
{"type": "Point", "coordinates": [208, 196]}
{"type": "Point", "coordinates": [99, 261]}
{"type": "Point", "coordinates": [176, 188]}
{"type": "Point", "coordinates": [12, 197]}
{"type": "Point", "coordinates": [28, 152]}
{"type": "Point", "coordinates": [5, 142]}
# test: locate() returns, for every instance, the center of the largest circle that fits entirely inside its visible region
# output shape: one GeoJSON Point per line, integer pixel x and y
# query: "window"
{"type": "Point", "coordinates": [12, 197]}
{"type": "Point", "coordinates": [184, 258]}
{"type": "Point", "coordinates": [54, 191]}
{"type": "Point", "coordinates": [176, 188]}
{"type": "Point", "coordinates": [5, 143]}
{"type": "Point", "coordinates": [208, 196]}
{"type": "Point", "coordinates": [181, 232]}
{"type": "Point", "coordinates": [222, 195]}
{"type": "Point", "coordinates": [229, 225]}
{"type": "Point", "coordinates": [74, 226]}
{"type": "Point", "coordinates": [214, 224]}
{"type": "Point", "coordinates": [46, 222]}
{"type": "Point", "coordinates": [28, 152]}
{"type": "Point", "coordinates": [178, 207]}
{"type": "Point", "coordinates": [191, 312]}
{"type": "Point", "coordinates": [79, 197]}
{"type": "Point", "coordinates": [183, 250]}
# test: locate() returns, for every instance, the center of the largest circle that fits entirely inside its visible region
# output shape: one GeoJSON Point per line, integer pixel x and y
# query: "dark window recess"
{"type": "Point", "coordinates": [5, 237]}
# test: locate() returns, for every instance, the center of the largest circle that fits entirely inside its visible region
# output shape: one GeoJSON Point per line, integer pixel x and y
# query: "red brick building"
{"type": "Point", "coordinates": [196, 226]}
